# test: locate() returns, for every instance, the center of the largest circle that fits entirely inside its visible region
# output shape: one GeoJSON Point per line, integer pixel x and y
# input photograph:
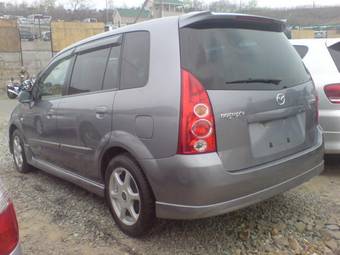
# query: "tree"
{"type": "Point", "coordinates": [48, 5]}
{"type": "Point", "coordinates": [79, 4]}
{"type": "Point", "coordinates": [222, 6]}
{"type": "Point", "coordinates": [193, 5]}
{"type": "Point", "coordinates": [252, 4]}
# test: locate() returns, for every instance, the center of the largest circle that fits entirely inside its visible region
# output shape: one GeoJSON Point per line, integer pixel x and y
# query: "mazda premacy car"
{"type": "Point", "coordinates": [179, 118]}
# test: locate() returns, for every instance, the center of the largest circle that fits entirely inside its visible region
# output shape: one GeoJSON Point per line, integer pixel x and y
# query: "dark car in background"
{"type": "Point", "coordinates": [26, 35]}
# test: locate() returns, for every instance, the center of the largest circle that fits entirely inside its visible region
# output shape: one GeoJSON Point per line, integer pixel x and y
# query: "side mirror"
{"type": "Point", "coordinates": [25, 97]}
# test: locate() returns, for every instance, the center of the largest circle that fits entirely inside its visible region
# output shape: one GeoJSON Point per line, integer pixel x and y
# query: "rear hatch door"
{"type": "Point", "coordinates": [263, 98]}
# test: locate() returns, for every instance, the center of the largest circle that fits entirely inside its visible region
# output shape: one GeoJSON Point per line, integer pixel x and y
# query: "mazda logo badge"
{"type": "Point", "coordinates": [280, 99]}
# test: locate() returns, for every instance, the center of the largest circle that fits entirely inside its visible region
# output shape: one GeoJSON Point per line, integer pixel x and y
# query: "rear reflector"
{"type": "Point", "coordinates": [332, 92]}
{"type": "Point", "coordinates": [9, 234]}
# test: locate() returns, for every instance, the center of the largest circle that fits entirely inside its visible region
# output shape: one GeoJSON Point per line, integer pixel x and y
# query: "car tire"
{"type": "Point", "coordinates": [19, 156]}
{"type": "Point", "coordinates": [11, 95]}
{"type": "Point", "coordinates": [129, 196]}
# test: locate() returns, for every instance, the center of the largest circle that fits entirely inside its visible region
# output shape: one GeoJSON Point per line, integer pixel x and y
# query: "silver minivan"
{"type": "Point", "coordinates": [180, 118]}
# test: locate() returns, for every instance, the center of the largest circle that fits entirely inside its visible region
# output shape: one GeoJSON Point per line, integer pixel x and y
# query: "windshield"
{"type": "Point", "coordinates": [229, 58]}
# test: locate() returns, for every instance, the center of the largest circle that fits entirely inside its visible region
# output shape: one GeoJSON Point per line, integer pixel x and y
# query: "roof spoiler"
{"type": "Point", "coordinates": [207, 19]}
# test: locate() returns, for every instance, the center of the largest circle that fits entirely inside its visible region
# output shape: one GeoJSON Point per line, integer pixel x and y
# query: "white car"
{"type": "Point", "coordinates": [9, 232]}
{"type": "Point", "coordinates": [322, 59]}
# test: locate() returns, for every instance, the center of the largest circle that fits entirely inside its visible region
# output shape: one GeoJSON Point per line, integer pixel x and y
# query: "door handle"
{"type": "Point", "coordinates": [100, 112]}
{"type": "Point", "coordinates": [101, 109]}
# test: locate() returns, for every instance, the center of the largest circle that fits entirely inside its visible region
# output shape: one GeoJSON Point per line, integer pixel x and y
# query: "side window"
{"type": "Point", "coordinates": [52, 83]}
{"type": "Point", "coordinates": [111, 79]}
{"type": "Point", "coordinates": [135, 60]}
{"type": "Point", "coordinates": [334, 50]}
{"type": "Point", "coordinates": [88, 71]}
{"type": "Point", "coordinates": [302, 50]}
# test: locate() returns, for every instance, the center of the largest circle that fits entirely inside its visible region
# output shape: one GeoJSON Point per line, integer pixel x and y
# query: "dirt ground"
{"type": "Point", "coordinates": [56, 217]}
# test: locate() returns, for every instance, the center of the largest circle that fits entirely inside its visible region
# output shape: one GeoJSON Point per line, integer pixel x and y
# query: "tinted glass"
{"type": "Point", "coordinates": [112, 69]}
{"type": "Point", "coordinates": [52, 83]}
{"type": "Point", "coordinates": [223, 58]}
{"type": "Point", "coordinates": [135, 61]}
{"type": "Point", "coordinates": [88, 71]}
{"type": "Point", "coordinates": [302, 50]}
{"type": "Point", "coordinates": [334, 50]}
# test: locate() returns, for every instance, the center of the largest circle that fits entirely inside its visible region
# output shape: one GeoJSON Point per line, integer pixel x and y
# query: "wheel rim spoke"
{"type": "Point", "coordinates": [114, 195]}
{"type": "Point", "coordinates": [122, 213]}
{"type": "Point", "coordinates": [17, 151]}
{"type": "Point", "coordinates": [132, 195]}
{"type": "Point", "coordinates": [127, 180]}
{"type": "Point", "coordinates": [132, 212]}
{"type": "Point", "coordinates": [118, 179]}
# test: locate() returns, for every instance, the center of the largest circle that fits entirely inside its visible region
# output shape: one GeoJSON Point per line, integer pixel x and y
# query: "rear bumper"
{"type": "Point", "coordinates": [332, 142]}
{"type": "Point", "coordinates": [190, 187]}
{"type": "Point", "coordinates": [174, 211]}
{"type": "Point", "coordinates": [329, 120]}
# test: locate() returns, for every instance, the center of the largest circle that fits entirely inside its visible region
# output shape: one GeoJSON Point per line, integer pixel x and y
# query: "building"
{"type": "Point", "coordinates": [154, 9]}
{"type": "Point", "coordinates": [123, 16]}
{"type": "Point", "coordinates": [165, 8]}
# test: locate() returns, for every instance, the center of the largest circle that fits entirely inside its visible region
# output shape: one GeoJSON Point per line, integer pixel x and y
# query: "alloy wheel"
{"type": "Point", "coordinates": [124, 196]}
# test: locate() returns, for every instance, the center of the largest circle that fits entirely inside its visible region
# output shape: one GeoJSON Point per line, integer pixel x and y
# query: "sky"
{"type": "Point", "coordinates": [262, 3]}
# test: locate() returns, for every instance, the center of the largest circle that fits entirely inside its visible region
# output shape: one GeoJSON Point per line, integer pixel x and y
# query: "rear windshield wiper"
{"type": "Point", "coordinates": [270, 81]}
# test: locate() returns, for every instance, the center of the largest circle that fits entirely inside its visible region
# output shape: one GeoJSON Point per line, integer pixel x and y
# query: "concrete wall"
{"type": "Point", "coordinates": [67, 33]}
{"type": "Point", "coordinates": [10, 63]}
{"type": "Point", "coordinates": [36, 55]}
{"type": "Point", "coordinates": [35, 61]}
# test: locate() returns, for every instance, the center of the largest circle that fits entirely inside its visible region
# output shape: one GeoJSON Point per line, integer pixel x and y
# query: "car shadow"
{"type": "Point", "coordinates": [332, 166]}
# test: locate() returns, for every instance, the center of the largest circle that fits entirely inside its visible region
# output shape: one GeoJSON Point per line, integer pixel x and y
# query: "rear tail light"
{"type": "Point", "coordinates": [332, 92]}
{"type": "Point", "coordinates": [9, 234]}
{"type": "Point", "coordinates": [197, 124]}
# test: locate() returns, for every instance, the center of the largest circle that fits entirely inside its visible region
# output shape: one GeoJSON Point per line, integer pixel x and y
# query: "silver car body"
{"type": "Point", "coordinates": [324, 72]}
{"type": "Point", "coordinates": [17, 250]}
{"type": "Point", "coordinates": [266, 143]}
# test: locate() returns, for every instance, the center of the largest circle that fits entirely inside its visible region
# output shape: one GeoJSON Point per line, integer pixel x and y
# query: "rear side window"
{"type": "Point", "coordinates": [88, 71]}
{"type": "Point", "coordinates": [135, 60]}
{"type": "Point", "coordinates": [302, 50]}
{"type": "Point", "coordinates": [334, 50]}
{"type": "Point", "coordinates": [111, 79]}
{"type": "Point", "coordinates": [232, 58]}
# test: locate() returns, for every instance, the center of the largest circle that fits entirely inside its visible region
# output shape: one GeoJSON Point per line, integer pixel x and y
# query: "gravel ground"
{"type": "Point", "coordinates": [56, 217]}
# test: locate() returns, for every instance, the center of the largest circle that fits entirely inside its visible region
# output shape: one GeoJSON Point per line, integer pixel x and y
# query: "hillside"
{"type": "Point", "coordinates": [303, 16]}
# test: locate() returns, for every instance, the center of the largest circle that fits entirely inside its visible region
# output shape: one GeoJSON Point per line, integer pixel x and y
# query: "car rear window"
{"type": "Point", "coordinates": [334, 50]}
{"type": "Point", "coordinates": [302, 50]}
{"type": "Point", "coordinates": [231, 58]}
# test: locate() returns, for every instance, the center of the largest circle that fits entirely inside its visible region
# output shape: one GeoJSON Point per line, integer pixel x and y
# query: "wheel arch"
{"type": "Point", "coordinates": [114, 151]}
